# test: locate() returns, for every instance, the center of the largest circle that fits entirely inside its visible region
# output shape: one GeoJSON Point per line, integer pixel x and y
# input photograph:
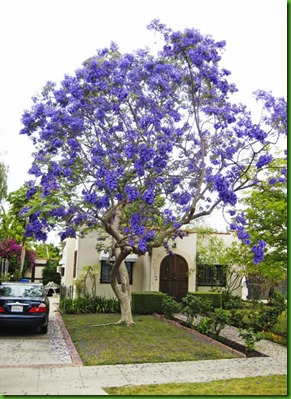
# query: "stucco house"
{"type": "Point", "coordinates": [35, 273]}
{"type": "Point", "coordinates": [175, 274]}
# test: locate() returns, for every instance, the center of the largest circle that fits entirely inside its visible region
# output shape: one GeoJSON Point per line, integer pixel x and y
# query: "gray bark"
{"type": "Point", "coordinates": [122, 291]}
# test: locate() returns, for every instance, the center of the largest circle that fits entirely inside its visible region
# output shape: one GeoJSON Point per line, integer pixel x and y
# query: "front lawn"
{"type": "Point", "coordinates": [149, 341]}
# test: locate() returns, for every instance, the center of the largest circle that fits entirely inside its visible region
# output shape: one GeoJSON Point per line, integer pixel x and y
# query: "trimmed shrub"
{"type": "Point", "coordinates": [147, 302]}
{"type": "Point", "coordinates": [215, 298]}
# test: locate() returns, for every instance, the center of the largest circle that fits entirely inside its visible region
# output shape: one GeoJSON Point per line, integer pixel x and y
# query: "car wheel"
{"type": "Point", "coordinates": [43, 330]}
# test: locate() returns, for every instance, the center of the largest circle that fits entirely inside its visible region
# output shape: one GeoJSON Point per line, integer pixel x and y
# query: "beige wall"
{"type": "Point", "coordinates": [104, 289]}
{"type": "Point", "coordinates": [87, 255]}
{"type": "Point", "coordinates": [68, 261]}
{"type": "Point", "coordinates": [146, 270]}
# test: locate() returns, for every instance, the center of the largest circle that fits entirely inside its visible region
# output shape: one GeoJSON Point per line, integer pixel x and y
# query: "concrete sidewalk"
{"type": "Point", "coordinates": [72, 378]}
{"type": "Point", "coordinates": [90, 380]}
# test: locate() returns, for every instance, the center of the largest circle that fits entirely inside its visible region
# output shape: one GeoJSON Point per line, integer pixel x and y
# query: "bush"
{"type": "Point", "coordinates": [89, 305]}
{"type": "Point", "coordinates": [215, 298]}
{"type": "Point", "coordinates": [250, 338]}
{"type": "Point", "coordinates": [107, 305]}
{"type": "Point", "coordinates": [147, 302]}
{"type": "Point", "coordinates": [219, 319]}
{"type": "Point", "coordinates": [204, 325]}
{"type": "Point", "coordinates": [170, 306]}
{"type": "Point", "coordinates": [280, 328]}
{"type": "Point", "coordinates": [214, 323]}
{"type": "Point", "coordinates": [193, 305]}
{"type": "Point", "coordinates": [268, 318]}
{"type": "Point", "coordinates": [278, 301]}
{"type": "Point", "coordinates": [236, 318]}
{"type": "Point", "coordinates": [264, 317]}
{"type": "Point", "coordinates": [232, 302]}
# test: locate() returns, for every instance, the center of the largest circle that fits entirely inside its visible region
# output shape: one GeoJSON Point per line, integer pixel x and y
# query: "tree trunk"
{"type": "Point", "coordinates": [22, 259]}
{"type": "Point", "coordinates": [122, 291]}
{"type": "Point", "coordinates": [23, 250]}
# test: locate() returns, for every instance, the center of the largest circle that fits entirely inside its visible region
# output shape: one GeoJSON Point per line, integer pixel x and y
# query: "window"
{"type": "Point", "coordinates": [21, 291]}
{"type": "Point", "coordinates": [211, 275]}
{"type": "Point", "coordinates": [75, 264]}
{"type": "Point", "coordinates": [106, 268]}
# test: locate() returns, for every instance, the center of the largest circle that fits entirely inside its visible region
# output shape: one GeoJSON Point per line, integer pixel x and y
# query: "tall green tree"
{"type": "Point", "coordinates": [12, 224]}
{"type": "Point", "coordinates": [3, 194]}
{"type": "Point", "coordinates": [265, 215]}
{"type": "Point", "coordinates": [212, 251]}
{"type": "Point", "coordinates": [49, 251]}
{"type": "Point", "coordinates": [3, 181]}
{"type": "Point", "coordinates": [52, 254]}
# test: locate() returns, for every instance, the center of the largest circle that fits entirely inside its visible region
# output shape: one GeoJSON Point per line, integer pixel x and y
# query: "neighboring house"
{"type": "Point", "coordinates": [35, 274]}
{"type": "Point", "coordinates": [175, 274]}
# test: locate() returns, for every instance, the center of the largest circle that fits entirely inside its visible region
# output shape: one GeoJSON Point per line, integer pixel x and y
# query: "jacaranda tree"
{"type": "Point", "coordinates": [132, 142]}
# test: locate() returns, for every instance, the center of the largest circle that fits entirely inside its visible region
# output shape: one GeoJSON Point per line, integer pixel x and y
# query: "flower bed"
{"type": "Point", "coordinates": [220, 341]}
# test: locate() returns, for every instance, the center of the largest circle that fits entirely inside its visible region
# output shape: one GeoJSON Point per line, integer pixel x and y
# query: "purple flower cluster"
{"type": "Point", "coordinates": [258, 251]}
{"type": "Point", "coordinates": [222, 186]}
{"type": "Point", "coordinates": [132, 193]}
{"type": "Point", "coordinates": [264, 160]}
{"type": "Point", "coordinates": [37, 227]}
{"type": "Point", "coordinates": [275, 115]}
{"type": "Point", "coordinates": [143, 134]}
{"type": "Point", "coordinates": [137, 233]}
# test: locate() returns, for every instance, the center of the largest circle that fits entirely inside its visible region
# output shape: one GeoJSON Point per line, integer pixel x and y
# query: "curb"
{"type": "Point", "coordinates": [76, 360]}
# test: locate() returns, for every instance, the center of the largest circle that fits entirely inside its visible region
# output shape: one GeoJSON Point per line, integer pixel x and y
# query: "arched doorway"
{"type": "Point", "coordinates": [174, 276]}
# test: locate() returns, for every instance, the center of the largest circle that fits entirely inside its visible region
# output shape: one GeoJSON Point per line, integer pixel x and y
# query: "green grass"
{"type": "Point", "coordinates": [269, 385]}
{"type": "Point", "coordinates": [149, 341]}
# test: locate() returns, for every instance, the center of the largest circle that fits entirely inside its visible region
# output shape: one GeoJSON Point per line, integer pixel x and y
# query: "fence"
{"type": "Point", "coordinates": [66, 292]}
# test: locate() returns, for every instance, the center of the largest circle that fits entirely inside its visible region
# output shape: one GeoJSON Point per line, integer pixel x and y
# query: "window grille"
{"type": "Point", "coordinates": [106, 268]}
{"type": "Point", "coordinates": [211, 275]}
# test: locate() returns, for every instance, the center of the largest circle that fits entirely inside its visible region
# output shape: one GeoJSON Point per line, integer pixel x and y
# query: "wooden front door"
{"type": "Point", "coordinates": [174, 276]}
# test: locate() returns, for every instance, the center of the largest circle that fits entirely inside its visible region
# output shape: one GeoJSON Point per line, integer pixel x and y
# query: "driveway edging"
{"type": "Point", "coordinates": [76, 360]}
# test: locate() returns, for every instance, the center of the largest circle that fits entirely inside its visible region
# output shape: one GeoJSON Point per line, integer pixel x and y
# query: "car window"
{"type": "Point", "coordinates": [27, 291]}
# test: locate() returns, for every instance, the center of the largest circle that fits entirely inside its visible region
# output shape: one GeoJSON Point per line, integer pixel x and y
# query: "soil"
{"type": "Point", "coordinates": [239, 347]}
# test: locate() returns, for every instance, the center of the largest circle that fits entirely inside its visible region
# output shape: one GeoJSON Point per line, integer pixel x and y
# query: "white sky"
{"type": "Point", "coordinates": [43, 40]}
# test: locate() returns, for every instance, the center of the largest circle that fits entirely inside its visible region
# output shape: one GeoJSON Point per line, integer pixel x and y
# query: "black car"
{"type": "Point", "coordinates": [24, 305]}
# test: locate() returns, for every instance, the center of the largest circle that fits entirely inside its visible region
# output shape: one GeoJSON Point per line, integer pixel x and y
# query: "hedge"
{"type": "Point", "coordinates": [215, 298]}
{"type": "Point", "coordinates": [147, 302]}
